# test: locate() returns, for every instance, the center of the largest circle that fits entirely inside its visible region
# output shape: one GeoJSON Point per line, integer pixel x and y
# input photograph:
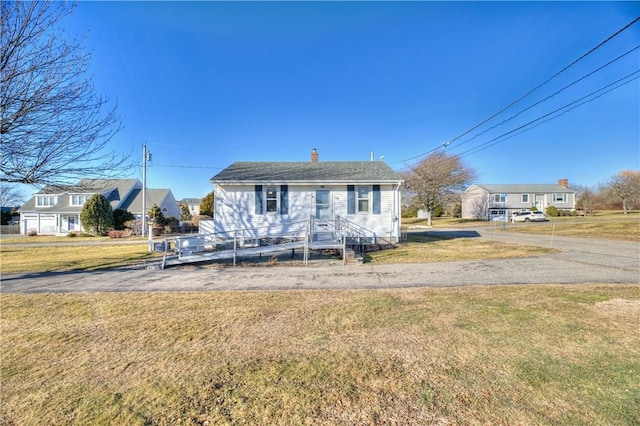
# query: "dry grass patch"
{"type": "Point", "coordinates": [17, 258]}
{"type": "Point", "coordinates": [474, 355]}
{"type": "Point", "coordinates": [48, 239]}
{"type": "Point", "coordinates": [618, 229]}
{"type": "Point", "coordinates": [429, 247]}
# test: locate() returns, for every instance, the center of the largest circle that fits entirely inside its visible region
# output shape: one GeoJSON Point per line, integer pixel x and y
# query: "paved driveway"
{"type": "Point", "coordinates": [580, 261]}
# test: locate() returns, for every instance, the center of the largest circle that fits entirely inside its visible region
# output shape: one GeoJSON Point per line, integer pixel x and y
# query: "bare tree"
{"type": "Point", "coordinates": [625, 187]}
{"type": "Point", "coordinates": [480, 207]}
{"type": "Point", "coordinates": [586, 198]}
{"type": "Point", "coordinates": [53, 127]}
{"type": "Point", "coordinates": [435, 178]}
{"type": "Point", "coordinates": [10, 195]}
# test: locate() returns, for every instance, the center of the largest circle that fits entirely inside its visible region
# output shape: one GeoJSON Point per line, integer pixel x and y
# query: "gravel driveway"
{"type": "Point", "coordinates": [581, 260]}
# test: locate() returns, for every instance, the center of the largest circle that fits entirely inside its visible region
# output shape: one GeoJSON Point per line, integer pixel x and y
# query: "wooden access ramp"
{"type": "Point", "coordinates": [307, 236]}
{"type": "Point", "coordinates": [212, 255]}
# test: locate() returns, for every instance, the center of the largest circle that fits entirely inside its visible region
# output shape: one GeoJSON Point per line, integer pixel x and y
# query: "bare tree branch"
{"type": "Point", "coordinates": [586, 198]}
{"type": "Point", "coordinates": [625, 187]}
{"type": "Point", "coordinates": [54, 129]}
{"type": "Point", "coordinates": [436, 178]}
{"type": "Point", "coordinates": [10, 195]}
{"type": "Point", "coordinates": [480, 207]}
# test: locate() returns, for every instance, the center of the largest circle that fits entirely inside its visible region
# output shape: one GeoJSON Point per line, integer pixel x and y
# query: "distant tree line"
{"type": "Point", "coordinates": [620, 192]}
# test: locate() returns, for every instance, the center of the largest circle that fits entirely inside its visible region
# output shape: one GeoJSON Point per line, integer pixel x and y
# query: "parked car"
{"type": "Point", "coordinates": [534, 216]}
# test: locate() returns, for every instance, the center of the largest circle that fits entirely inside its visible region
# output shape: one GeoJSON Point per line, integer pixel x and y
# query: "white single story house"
{"type": "Point", "coordinates": [57, 210]}
{"type": "Point", "coordinates": [482, 201]}
{"type": "Point", "coordinates": [252, 195]}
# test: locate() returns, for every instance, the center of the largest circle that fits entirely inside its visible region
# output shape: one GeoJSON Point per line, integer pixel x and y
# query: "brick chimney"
{"type": "Point", "coordinates": [314, 156]}
{"type": "Point", "coordinates": [563, 183]}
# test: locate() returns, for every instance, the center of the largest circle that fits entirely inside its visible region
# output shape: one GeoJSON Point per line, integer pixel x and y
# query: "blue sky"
{"type": "Point", "coordinates": [205, 84]}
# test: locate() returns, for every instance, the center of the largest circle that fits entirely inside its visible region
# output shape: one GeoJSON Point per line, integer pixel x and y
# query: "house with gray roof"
{"type": "Point", "coordinates": [193, 204]}
{"type": "Point", "coordinates": [485, 201]}
{"type": "Point", "coordinates": [259, 195]}
{"type": "Point", "coordinates": [56, 210]}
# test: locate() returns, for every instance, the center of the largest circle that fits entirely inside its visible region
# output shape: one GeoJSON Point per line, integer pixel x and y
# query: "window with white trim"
{"type": "Point", "coordinates": [45, 201]}
{"type": "Point", "coordinates": [559, 198]}
{"type": "Point", "coordinates": [363, 199]}
{"type": "Point", "coordinates": [499, 198]}
{"type": "Point", "coordinates": [79, 200]}
{"type": "Point", "coordinates": [272, 199]}
{"type": "Point", "coordinates": [525, 198]}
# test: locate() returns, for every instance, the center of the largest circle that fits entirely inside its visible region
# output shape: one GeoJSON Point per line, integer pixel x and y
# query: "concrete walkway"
{"type": "Point", "coordinates": [581, 260]}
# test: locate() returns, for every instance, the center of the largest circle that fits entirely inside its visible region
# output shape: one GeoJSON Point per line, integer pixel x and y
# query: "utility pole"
{"type": "Point", "coordinates": [146, 156]}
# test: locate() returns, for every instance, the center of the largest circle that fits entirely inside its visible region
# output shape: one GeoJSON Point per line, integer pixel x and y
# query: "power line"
{"type": "Point", "coordinates": [602, 43]}
{"type": "Point", "coordinates": [573, 83]}
{"type": "Point", "coordinates": [562, 110]}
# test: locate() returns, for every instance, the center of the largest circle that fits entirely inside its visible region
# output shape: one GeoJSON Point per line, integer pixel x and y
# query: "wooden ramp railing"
{"type": "Point", "coordinates": [311, 234]}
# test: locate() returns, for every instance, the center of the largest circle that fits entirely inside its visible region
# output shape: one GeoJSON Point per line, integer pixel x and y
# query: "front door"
{"type": "Point", "coordinates": [71, 223]}
{"type": "Point", "coordinates": [323, 204]}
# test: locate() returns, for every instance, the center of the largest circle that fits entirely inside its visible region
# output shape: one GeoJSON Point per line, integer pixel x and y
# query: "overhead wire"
{"type": "Point", "coordinates": [573, 83]}
{"type": "Point", "coordinates": [491, 117]}
{"type": "Point", "coordinates": [574, 104]}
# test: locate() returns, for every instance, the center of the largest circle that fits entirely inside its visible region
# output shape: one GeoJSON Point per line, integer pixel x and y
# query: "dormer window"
{"type": "Point", "coordinates": [45, 200]}
{"type": "Point", "coordinates": [79, 200]}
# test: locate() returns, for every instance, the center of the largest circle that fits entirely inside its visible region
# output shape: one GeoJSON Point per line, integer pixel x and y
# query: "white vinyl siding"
{"type": "Point", "coordinates": [235, 208]}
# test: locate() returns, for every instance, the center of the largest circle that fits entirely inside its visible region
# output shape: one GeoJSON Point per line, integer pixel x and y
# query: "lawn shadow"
{"type": "Point", "coordinates": [152, 263]}
{"type": "Point", "coordinates": [431, 235]}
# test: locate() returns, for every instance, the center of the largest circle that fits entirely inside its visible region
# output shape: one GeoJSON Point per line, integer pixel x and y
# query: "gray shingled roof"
{"type": "Point", "coordinates": [154, 196]}
{"type": "Point", "coordinates": [114, 189]}
{"type": "Point", "coordinates": [191, 201]}
{"type": "Point", "coordinates": [524, 188]}
{"type": "Point", "coordinates": [327, 171]}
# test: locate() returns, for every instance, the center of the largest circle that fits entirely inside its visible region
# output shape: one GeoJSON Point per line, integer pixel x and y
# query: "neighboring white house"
{"type": "Point", "coordinates": [57, 210]}
{"type": "Point", "coordinates": [490, 201]}
{"type": "Point", "coordinates": [193, 204]}
{"type": "Point", "coordinates": [250, 195]}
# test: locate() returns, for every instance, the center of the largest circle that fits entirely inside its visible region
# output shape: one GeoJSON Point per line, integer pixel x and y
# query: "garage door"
{"type": "Point", "coordinates": [30, 224]}
{"type": "Point", "coordinates": [47, 224]}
